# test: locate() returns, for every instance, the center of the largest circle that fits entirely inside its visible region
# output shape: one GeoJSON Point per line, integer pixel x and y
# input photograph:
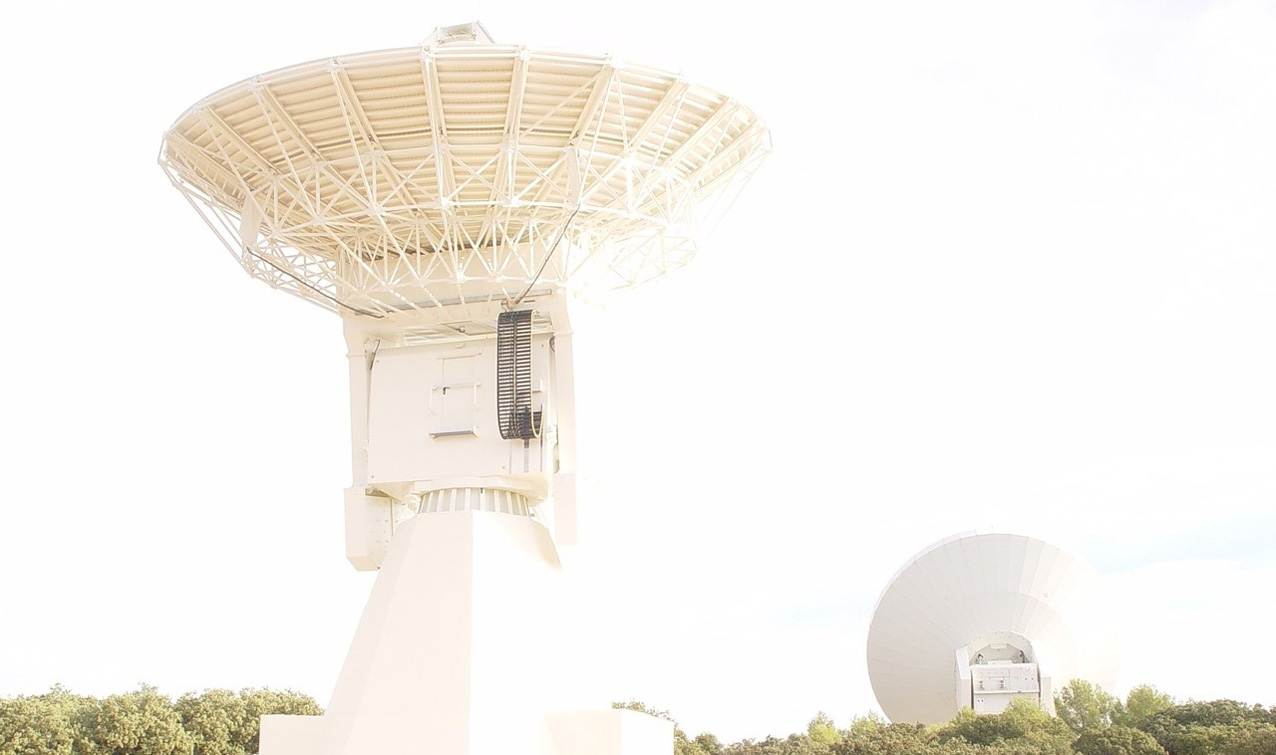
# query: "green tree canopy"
{"type": "Point", "coordinates": [794, 744]}
{"type": "Point", "coordinates": [35, 726]}
{"type": "Point", "coordinates": [1210, 728]}
{"type": "Point", "coordinates": [216, 720]}
{"type": "Point", "coordinates": [880, 738]}
{"type": "Point", "coordinates": [221, 722]}
{"type": "Point", "coordinates": [1023, 727]}
{"type": "Point", "coordinates": [822, 729]}
{"type": "Point", "coordinates": [862, 725]}
{"type": "Point", "coordinates": [1084, 706]}
{"type": "Point", "coordinates": [1252, 740]}
{"type": "Point", "coordinates": [1142, 703]}
{"type": "Point", "coordinates": [1117, 740]}
{"type": "Point", "coordinates": [143, 722]}
{"type": "Point", "coordinates": [269, 702]}
{"type": "Point", "coordinates": [708, 744]}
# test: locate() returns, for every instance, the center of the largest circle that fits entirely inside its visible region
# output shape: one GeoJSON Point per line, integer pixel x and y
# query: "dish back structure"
{"type": "Point", "coordinates": [977, 620]}
{"type": "Point", "coordinates": [460, 172]}
{"type": "Point", "coordinates": [447, 201]}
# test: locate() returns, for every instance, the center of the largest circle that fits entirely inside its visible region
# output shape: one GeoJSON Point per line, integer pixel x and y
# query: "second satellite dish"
{"type": "Point", "coordinates": [978, 620]}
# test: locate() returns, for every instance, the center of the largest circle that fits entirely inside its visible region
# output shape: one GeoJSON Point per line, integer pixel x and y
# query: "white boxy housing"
{"type": "Point", "coordinates": [426, 434]}
{"type": "Point", "coordinates": [978, 620]}
{"type": "Point", "coordinates": [447, 201]}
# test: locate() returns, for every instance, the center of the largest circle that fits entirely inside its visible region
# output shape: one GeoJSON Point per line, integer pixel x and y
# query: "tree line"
{"type": "Point", "coordinates": [1088, 721]}
{"type": "Point", "coordinates": [142, 722]}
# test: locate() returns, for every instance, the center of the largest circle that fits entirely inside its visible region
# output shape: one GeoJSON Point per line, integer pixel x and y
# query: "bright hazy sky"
{"type": "Point", "coordinates": [1010, 265]}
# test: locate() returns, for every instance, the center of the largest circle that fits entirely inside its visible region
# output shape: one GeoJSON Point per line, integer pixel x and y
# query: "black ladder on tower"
{"type": "Point", "coordinates": [514, 377]}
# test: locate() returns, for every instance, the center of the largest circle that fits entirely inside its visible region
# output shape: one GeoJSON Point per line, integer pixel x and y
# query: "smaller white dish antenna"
{"type": "Point", "coordinates": [978, 620]}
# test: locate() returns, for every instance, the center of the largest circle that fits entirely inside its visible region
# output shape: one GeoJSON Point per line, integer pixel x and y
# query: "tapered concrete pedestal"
{"type": "Point", "coordinates": [460, 652]}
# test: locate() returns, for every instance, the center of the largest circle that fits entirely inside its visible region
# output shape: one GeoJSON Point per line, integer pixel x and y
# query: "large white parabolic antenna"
{"type": "Point", "coordinates": [977, 620]}
{"type": "Point", "coordinates": [446, 200]}
{"type": "Point", "coordinates": [460, 171]}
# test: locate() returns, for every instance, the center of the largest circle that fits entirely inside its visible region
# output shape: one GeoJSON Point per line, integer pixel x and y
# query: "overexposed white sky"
{"type": "Point", "coordinates": [1010, 265]}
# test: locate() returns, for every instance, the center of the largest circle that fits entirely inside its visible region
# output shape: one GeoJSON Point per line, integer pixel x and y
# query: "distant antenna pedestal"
{"type": "Point", "coordinates": [997, 668]}
{"type": "Point", "coordinates": [446, 200]}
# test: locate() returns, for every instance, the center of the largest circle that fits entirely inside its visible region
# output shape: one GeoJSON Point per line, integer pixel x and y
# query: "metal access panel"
{"type": "Point", "coordinates": [432, 413]}
{"type": "Point", "coordinates": [994, 685]}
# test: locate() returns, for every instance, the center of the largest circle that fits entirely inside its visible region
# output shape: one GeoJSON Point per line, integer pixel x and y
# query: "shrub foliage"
{"type": "Point", "coordinates": [1089, 722]}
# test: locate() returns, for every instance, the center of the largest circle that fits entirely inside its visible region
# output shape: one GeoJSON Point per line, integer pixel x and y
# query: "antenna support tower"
{"type": "Point", "coordinates": [449, 201]}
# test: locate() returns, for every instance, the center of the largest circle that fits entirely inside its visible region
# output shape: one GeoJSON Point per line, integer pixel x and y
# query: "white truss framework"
{"type": "Point", "coordinates": [427, 176]}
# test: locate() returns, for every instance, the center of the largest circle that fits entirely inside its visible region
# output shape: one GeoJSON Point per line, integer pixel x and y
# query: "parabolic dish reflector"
{"type": "Point", "coordinates": [460, 172]}
{"type": "Point", "coordinates": [969, 593]}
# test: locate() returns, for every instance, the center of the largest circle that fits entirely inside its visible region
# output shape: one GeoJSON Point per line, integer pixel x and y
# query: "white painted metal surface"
{"type": "Point", "coordinates": [463, 172]}
{"type": "Point", "coordinates": [424, 421]}
{"type": "Point", "coordinates": [474, 664]}
{"type": "Point", "coordinates": [979, 619]}
{"type": "Point", "coordinates": [422, 193]}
